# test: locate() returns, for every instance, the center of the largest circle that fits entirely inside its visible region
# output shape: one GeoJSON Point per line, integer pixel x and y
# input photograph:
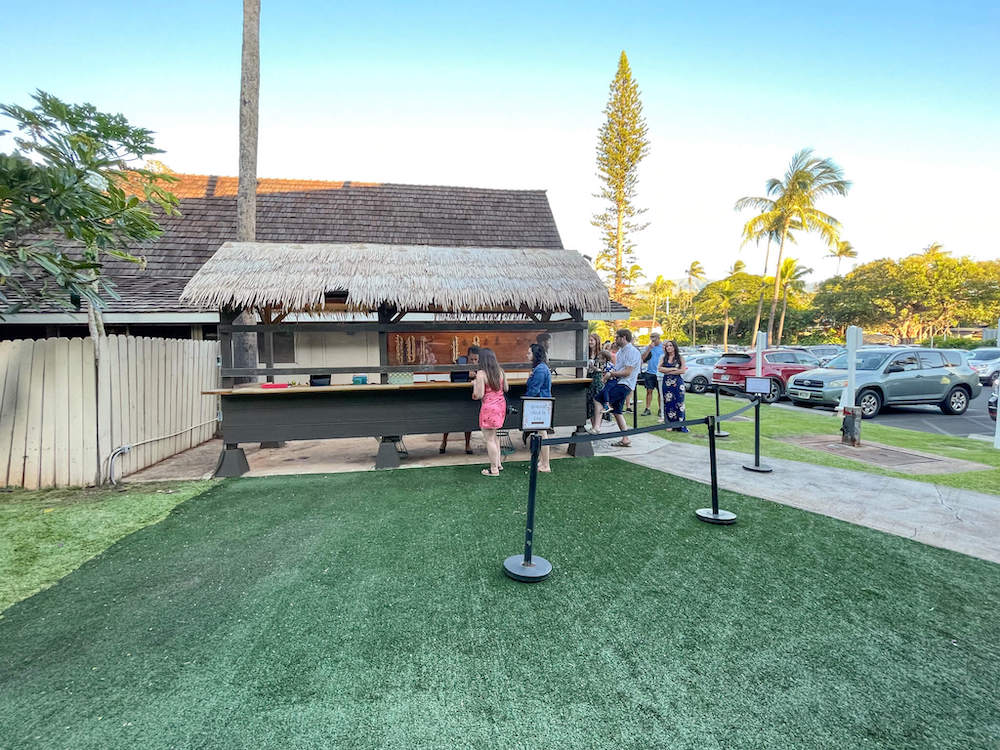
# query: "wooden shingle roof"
{"type": "Point", "coordinates": [307, 211]}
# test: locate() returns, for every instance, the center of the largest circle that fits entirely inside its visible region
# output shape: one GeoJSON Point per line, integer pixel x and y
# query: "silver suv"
{"type": "Point", "coordinates": [986, 363]}
{"type": "Point", "coordinates": [887, 376]}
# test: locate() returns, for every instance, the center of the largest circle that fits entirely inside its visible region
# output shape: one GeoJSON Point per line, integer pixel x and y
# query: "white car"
{"type": "Point", "coordinates": [986, 363]}
{"type": "Point", "coordinates": [699, 371]}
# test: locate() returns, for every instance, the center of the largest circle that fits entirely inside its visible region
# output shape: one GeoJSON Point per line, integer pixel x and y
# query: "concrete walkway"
{"type": "Point", "coordinates": [955, 519]}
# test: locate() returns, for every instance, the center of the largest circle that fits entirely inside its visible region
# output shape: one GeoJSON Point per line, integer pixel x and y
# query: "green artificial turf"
{"type": "Point", "coordinates": [46, 534]}
{"type": "Point", "coordinates": [778, 423]}
{"type": "Point", "coordinates": [368, 610]}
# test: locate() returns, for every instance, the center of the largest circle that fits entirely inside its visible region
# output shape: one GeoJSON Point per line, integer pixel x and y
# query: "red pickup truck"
{"type": "Point", "coordinates": [779, 365]}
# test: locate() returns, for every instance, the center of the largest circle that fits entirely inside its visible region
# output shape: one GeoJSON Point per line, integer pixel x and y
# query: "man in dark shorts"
{"type": "Point", "coordinates": [652, 355]}
{"type": "Point", "coordinates": [619, 383]}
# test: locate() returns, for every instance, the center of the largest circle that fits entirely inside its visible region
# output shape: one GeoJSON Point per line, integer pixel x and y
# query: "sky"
{"type": "Point", "coordinates": [905, 97]}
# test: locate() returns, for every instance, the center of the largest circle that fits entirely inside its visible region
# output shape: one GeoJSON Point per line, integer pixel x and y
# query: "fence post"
{"type": "Point", "coordinates": [713, 514]}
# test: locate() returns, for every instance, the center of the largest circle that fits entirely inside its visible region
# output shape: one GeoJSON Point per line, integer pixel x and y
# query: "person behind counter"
{"type": "Point", "coordinates": [472, 358]}
{"type": "Point", "coordinates": [539, 385]}
{"type": "Point", "coordinates": [488, 388]}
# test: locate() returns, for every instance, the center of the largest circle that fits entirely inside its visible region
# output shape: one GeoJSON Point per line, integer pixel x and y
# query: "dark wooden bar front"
{"type": "Point", "coordinates": [387, 412]}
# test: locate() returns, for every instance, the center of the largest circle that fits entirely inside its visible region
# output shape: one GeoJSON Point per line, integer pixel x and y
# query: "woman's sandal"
{"type": "Point", "coordinates": [621, 444]}
{"type": "Point", "coordinates": [488, 473]}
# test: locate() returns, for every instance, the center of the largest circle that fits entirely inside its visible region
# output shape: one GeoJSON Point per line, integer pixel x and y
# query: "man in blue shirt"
{"type": "Point", "coordinates": [619, 383]}
{"type": "Point", "coordinates": [652, 355]}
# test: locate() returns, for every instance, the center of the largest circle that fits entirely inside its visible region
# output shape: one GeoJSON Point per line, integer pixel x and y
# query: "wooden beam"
{"type": "Point", "coordinates": [414, 327]}
{"type": "Point", "coordinates": [525, 366]}
{"type": "Point", "coordinates": [226, 317]}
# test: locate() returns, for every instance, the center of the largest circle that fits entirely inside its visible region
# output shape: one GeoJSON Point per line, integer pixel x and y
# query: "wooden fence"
{"type": "Point", "coordinates": [61, 417]}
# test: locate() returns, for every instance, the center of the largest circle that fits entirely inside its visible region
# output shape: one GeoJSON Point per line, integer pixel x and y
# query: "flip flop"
{"type": "Point", "coordinates": [468, 451]}
{"type": "Point", "coordinates": [488, 473]}
{"type": "Point", "coordinates": [620, 444]}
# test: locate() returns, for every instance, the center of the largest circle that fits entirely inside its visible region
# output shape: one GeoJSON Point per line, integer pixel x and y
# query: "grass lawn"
{"type": "Point", "coordinates": [778, 423]}
{"type": "Point", "coordinates": [369, 611]}
{"type": "Point", "coordinates": [44, 535]}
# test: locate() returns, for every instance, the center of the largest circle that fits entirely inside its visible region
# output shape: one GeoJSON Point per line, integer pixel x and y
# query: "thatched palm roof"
{"type": "Point", "coordinates": [410, 277]}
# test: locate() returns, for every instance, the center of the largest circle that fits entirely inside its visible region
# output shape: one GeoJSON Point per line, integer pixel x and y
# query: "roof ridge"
{"type": "Point", "coordinates": [351, 183]}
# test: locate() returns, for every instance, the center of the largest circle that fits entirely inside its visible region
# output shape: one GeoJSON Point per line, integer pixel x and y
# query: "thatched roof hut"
{"type": "Point", "coordinates": [409, 277]}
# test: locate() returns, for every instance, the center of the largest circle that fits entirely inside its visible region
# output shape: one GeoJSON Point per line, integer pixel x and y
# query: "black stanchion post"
{"type": "Point", "coordinates": [527, 567]}
{"type": "Point", "coordinates": [718, 422]}
{"type": "Point", "coordinates": [635, 407]}
{"type": "Point", "coordinates": [713, 514]}
{"type": "Point", "coordinates": [757, 466]}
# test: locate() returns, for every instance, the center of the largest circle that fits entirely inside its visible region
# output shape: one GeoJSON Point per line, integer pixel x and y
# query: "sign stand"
{"type": "Point", "coordinates": [527, 567]}
{"type": "Point", "coordinates": [758, 387]}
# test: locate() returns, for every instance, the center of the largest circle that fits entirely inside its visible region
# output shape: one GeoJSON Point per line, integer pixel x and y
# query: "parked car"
{"type": "Point", "coordinates": [699, 371]}
{"type": "Point", "coordinates": [779, 366]}
{"type": "Point", "coordinates": [893, 377]}
{"type": "Point", "coordinates": [825, 352]}
{"type": "Point", "coordinates": [986, 363]}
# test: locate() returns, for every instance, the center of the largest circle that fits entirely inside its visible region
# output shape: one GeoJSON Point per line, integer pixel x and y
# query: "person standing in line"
{"type": "Point", "coordinates": [472, 358]}
{"type": "Point", "coordinates": [673, 368]}
{"type": "Point", "coordinates": [620, 382]}
{"type": "Point", "coordinates": [595, 370]}
{"type": "Point", "coordinates": [652, 355]}
{"type": "Point", "coordinates": [544, 339]}
{"type": "Point", "coordinates": [489, 388]}
{"type": "Point", "coordinates": [539, 385]}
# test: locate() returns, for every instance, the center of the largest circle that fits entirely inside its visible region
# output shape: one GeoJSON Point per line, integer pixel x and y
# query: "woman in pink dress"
{"type": "Point", "coordinates": [488, 388]}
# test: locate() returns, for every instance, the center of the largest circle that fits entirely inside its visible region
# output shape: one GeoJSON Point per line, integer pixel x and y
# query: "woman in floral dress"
{"type": "Point", "coordinates": [672, 366]}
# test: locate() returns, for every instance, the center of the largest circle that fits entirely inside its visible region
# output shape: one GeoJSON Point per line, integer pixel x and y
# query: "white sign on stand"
{"type": "Point", "coordinates": [536, 413]}
{"type": "Point", "coordinates": [758, 386]}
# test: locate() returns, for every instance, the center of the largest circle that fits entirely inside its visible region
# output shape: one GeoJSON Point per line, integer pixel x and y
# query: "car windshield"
{"type": "Point", "coordinates": [985, 354]}
{"type": "Point", "coordinates": [862, 361]}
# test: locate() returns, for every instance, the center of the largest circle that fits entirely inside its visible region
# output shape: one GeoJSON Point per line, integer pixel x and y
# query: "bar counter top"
{"type": "Point", "coordinates": [435, 385]}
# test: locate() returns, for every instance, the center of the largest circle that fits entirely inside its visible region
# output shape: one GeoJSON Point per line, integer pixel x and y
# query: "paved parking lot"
{"type": "Point", "coordinates": [975, 421]}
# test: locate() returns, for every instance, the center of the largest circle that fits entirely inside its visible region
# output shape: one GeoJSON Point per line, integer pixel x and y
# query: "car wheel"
{"type": "Point", "coordinates": [956, 402]}
{"type": "Point", "coordinates": [870, 402]}
{"type": "Point", "coordinates": [774, 394]}
{"type": "Point", "coordinates": [699, 385]}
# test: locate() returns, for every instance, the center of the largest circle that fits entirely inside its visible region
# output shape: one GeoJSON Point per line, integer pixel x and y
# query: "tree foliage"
{"type": "Point", "coordinates": [621, 145]}
{"type": "Point", "coordinates": [913, 298]}
{"type": "Point", "coordinates": [74, 174]}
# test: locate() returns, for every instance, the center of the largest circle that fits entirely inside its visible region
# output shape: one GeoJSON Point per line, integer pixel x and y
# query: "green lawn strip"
{"type": "Point", "coordinates": [46, 534]}
{"type": "Point", "coordinates": [369, 611]}
{"type": "Point", "coordinates": [783, 423]}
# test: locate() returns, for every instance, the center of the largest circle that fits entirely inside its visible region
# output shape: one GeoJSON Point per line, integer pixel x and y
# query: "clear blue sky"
{"type": "Point", "coordinates": [904, 96]}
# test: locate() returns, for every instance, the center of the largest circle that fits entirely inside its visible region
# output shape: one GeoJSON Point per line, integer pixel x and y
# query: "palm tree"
{"type": "Point", "coordinates": [738, 267]}
{"type": "Point", "coordinates": [694, 272]}
{"type": "Point", "coordinates": [767, 225]}
{"type": "Point", "coordinates": [245, 344]}
{"type": "Point", "coordinates": [660, 289]}
{"type": "Point", "coordinates": [843, 249]}
{"type": "Point", "coordinates": [725, 293]}
{"type": "Point", "coordinates": [793, 199]}
{"type": "Point", "coordinates": [791, 274]}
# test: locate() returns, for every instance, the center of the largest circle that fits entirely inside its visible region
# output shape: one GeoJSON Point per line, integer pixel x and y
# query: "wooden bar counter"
{"type": "Point", "coordinates": [385, 411]}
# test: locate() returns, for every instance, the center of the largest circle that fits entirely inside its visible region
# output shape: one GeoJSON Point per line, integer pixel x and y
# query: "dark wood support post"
{"type": "Point", "coordinates": [226, 318]}
{"type": "Point", "coordinates": [581, 450]}
{"type": "Point", "coordinates": [384, 319]}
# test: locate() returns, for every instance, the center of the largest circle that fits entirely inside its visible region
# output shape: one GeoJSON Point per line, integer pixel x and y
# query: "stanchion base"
{"type": "Point", "coordinates": [538, 570]}
{"type": "Point", "coordinates": [721, 434]}
{"type": "Point", "coordinates": [722, 517]}
{"type": "Point", "coordinates": [759, 468]}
